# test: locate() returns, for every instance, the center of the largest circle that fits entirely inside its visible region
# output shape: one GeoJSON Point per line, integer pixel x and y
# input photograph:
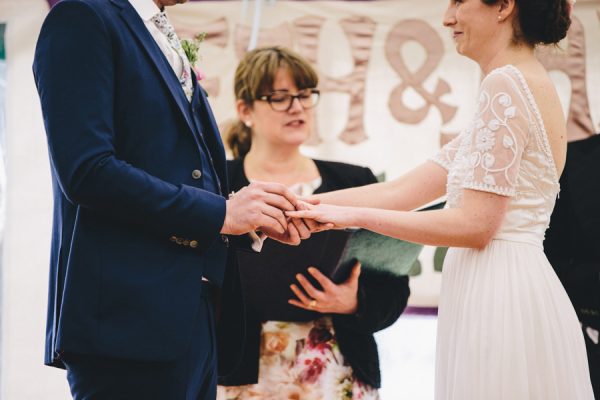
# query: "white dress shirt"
{"type": "Point", "coordinates": [147, 9]}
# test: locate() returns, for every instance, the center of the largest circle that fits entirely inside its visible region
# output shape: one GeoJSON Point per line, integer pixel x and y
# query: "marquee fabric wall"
{"type": "Point", "coordinates": [364, 51]}
{"type": "Point", "coordinates": [394, 88]}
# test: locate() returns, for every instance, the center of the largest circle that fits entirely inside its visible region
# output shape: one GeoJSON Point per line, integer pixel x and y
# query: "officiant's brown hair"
{"type": "Point", "coordinates": [254, 78]}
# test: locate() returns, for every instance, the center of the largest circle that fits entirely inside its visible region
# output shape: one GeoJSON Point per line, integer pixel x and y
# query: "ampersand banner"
{"type": "Point", "coordinates": [420, 32]}
{"type": "Point", "coordinates": [359, 32]}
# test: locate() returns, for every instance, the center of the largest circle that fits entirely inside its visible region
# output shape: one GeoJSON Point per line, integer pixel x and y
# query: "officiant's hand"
{"type": "Point", "coordinates": [333, 299]}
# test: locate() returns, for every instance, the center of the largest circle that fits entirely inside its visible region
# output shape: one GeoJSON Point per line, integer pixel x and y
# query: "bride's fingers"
{"type": "Point", "coordinates": [324, 226]}
{"type": "Point", "coordinates": [304, 206]}
{"type": "Point", "coordinates": [321, 224]}
{"type": "Point", "coordinates": [310, 200]}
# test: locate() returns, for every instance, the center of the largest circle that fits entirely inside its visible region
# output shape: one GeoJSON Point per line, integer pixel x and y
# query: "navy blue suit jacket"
{"type": "Point", "coordinates": [133, 228]}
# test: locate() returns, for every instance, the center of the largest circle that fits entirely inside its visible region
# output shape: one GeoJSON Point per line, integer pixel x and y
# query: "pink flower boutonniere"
{"type": "Point", "coordinates": [191, 47]}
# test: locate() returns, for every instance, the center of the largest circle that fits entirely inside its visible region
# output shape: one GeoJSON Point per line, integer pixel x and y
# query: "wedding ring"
{"type": "Point", "coordinates": [312, 304]}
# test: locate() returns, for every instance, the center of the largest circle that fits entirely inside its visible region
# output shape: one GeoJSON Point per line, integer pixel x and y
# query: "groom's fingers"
{"type": "Point", "coordinates": [303, 230]}
{"type": "Point", "coordinates": [294, 236]}
{"type": "Point", "coordinates": [279, 201]}
{"type": "Point", "coordinates": [267, 221]}
{"type": "Point", "coordinates": [280, 190]}
{"type": "Point", "coordinates": [281, 237]}
{"type": "Point", "coordinates": [276, 214]}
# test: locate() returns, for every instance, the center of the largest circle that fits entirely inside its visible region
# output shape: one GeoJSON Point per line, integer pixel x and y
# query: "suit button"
{"type": "Point", "coordinates": [196, 174]}
{"type": "Point", "coordinates": [193, 244]}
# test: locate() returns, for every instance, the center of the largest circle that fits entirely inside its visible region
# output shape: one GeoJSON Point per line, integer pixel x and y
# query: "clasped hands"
{"type": "Point", "coordinates": [274, 210]}
{"type": "Point", "coordinates": [266, 207]}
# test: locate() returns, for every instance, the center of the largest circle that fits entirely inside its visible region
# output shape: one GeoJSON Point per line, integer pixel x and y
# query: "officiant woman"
{"type": "Point", "coordinates": [334, 355]}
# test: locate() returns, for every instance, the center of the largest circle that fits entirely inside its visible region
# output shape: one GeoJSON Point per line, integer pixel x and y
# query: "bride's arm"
{"type": "Point", "coordinates": [473, 225]}
{"type": "Point", "coordinates": [417, 187]}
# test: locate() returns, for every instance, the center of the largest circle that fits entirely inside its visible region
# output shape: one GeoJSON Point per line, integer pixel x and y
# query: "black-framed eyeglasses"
{"type": "Point", "coordinates": [282, 100]}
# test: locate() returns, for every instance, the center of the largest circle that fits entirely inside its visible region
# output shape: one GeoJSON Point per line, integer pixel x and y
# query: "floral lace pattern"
{"type": "Point", "coordinates": [301, 361]}
{"type": "Point", "coordinates": [487, 156]}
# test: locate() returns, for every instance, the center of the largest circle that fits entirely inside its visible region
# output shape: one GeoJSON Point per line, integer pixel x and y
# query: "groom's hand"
{"type": "Point", "coordinates": [260, 206]}
{"type": "Point", "coordinates": [291, 236]}
{"type": "Point", "coordinates": [298, 229]}
{"type": "Point", "coordinates": [313, 226]}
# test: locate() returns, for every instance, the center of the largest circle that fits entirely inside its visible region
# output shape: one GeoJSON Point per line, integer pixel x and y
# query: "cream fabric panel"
{"type": "Point", "coordinates": [394, 88]}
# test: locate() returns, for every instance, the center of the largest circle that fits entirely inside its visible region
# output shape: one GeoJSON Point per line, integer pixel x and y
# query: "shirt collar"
{"type": "Point", "coordinates": [146, 9]}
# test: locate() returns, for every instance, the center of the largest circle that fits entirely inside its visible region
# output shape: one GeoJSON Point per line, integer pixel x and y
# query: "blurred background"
{"type": "Point", "coordinates": [393, 91]}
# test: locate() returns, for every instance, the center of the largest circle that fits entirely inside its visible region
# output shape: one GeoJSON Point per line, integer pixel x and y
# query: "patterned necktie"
{"type": "Point", "coordinates": [163, 24]}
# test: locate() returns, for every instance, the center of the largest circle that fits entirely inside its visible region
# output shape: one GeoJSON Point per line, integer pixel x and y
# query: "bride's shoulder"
{"type": "Point", "coordinates": [504, 77]}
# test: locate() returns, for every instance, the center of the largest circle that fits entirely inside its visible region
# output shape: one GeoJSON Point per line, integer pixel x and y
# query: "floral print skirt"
{"type": "Point", "coordinates": [301, 361]}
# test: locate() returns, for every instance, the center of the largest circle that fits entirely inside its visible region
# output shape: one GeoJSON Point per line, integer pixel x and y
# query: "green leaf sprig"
{"type": "Point", "coordinates": [191, 47]}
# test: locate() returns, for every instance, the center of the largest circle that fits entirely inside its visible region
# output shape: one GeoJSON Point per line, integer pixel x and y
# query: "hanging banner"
{"type": "Point", "coordinates": [393, 87]}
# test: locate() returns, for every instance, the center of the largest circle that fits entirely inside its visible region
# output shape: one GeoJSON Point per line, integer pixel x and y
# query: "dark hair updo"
{"type": "Point", "coordinates": [540, 21]}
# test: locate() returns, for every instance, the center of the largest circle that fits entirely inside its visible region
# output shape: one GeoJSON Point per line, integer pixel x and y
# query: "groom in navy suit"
{"type": "Point", "coordinates": [140, 206]}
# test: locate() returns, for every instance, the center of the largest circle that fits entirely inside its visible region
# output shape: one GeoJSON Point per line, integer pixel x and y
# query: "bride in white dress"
{"type": "Point", "coordinates": [507, 329]}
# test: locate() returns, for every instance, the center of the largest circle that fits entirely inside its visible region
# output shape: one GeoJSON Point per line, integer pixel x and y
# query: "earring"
{"type": "Point", "coordinates": [499, 18]}
{"type": "Point", "coordinates": [248, 124]}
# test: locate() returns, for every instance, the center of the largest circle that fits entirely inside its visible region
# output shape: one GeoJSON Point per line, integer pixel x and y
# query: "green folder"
{"type": "Point", "coordinates": [384, 253]}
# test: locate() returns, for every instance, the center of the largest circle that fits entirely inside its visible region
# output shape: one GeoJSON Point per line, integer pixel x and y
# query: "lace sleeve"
{"type": "Point", "coordinates": [500, 133]}
{"type": "Point", "coordinates": [446, 155]}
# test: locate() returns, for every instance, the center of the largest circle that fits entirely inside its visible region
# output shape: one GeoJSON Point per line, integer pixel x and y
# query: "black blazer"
{"type": "Point", "coordinates": [381, 297]}
{"type": "Point", "coordinates": [571, 242]}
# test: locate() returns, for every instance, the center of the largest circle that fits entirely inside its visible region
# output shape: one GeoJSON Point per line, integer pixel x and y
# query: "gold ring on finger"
{"type": "Point", "coordinates": [312, 304]}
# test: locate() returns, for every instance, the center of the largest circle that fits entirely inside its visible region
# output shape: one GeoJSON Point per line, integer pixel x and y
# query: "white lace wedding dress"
{"type": "Point", "coordinates": [507, 329]}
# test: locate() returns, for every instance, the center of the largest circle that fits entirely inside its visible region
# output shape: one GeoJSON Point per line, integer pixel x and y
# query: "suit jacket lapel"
{"type": "Point", "coordinates": [211, 135]}
{"type": "Point", "coordinates": [137, 27]}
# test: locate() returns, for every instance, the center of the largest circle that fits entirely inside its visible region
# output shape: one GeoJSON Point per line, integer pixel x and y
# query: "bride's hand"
{"type": "Point", "coordinates": [328, 216]}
